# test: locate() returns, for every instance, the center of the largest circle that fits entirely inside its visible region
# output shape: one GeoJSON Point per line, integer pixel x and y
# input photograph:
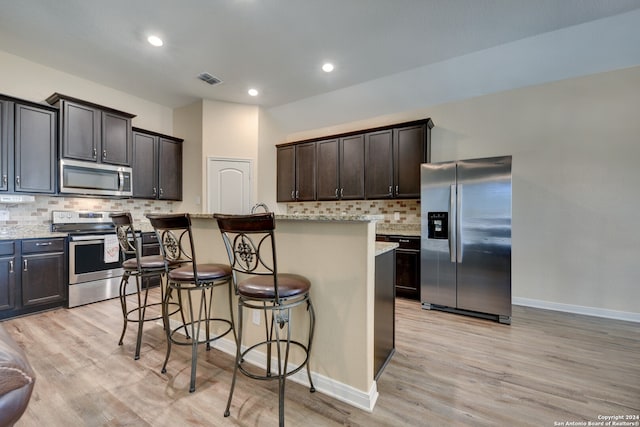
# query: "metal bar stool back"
{"type": "Point", "coordinates": [193, 284]}
{"type": "Point", "coordinates": [142, 268]}
{"type": "Point", "coordinates": [250, 244]}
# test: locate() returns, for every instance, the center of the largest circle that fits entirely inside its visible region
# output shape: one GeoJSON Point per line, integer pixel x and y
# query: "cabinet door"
{"type": "Point", "coordinates": [286, 174]}
{"type": "Point", "coordinates": [306, 171]}
{"type": "Point", "coordinates": [379, 161]}
{"type": "Point", "coordinates": [7, 282]}
{"type": "Point", "coordinates": [169, 169]}
{"type": "Point", "coordinates": [352, 167]}
{"type": "Point", "coordinates": [4, 145]}
{"type": "Point", "coordinates": [327, 170]}
{"type": "Point", "coordinates": [43, 278]}
{"type": "Point", "coordinates": [409, 152]}
{"type": "Point", "coordinates": [35, 149]}
{"type": "Point", "coordinates": [145, 166]}
{"type": "Point", "coordinates": [80, 131]}
{"type": "Point", "coordinates": [116, 139]}
{"type": "Point", "coordinates": [408, 273]}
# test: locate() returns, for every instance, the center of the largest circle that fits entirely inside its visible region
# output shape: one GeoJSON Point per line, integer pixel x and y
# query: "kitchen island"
{"type": "Point", "coordinates": [337, 254]}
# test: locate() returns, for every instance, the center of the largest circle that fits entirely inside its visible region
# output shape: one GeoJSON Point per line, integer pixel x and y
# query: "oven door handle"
{"type": "Point", "coordinates": [87, 240]}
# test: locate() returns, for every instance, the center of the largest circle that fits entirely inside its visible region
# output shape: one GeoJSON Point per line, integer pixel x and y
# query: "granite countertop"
{"type": "Point", "coordinates": [383, 247]}
{"type": "Point", "coordinates": [396, 229]}
{"type": "Point", "coordinates": [312, 217]}
{"type": "Point", "coordinates": [16, 232]}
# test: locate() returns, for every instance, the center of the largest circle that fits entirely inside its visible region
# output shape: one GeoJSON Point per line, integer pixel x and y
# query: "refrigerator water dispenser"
{"type": "Point", "coordinates": [438, 225]}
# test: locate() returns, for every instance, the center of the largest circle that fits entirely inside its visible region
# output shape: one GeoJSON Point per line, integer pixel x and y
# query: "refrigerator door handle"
{"type": "Point", "coordinates": [451, 230]}
{"type": "Point", "coordinates": [459, 245]}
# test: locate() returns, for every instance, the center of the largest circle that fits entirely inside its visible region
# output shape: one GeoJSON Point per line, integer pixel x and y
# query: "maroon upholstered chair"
{"type": "Point", "coordinates": [250, 244]}
{"type": "Point", "coordinates": [193, 285]}
{"type": "Point", "coordinates": [16, 380]}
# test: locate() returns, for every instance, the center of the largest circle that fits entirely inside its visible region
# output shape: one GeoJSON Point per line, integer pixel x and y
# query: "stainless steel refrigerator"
{"type": "Point", "coordinates": [466, 237]}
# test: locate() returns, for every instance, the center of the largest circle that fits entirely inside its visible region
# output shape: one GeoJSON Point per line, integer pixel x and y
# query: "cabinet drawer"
{"type": "Point", "coordinates": [405, 242]}
{"type": "Point", "coordinates": [149, 238]}
{"type": "Point", "coordinates": [7, 247]}
{"type": "Point", "coordinates": [42, 245]}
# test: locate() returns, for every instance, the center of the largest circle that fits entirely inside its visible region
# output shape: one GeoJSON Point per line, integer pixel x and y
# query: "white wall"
{"type": "Point", "coordinates": [575, 176]}
{"type": "Point", "coordinates": [34, 82]}
{"type": "Point", "coordinates": [188, 124]}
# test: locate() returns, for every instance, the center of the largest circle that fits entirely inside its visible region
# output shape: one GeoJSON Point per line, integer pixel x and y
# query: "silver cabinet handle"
{"type": "Point", "coordinates": [4, 179]}
{"type": "Point", "coordinates": [18, 180]}
{"type": "Point", "coordinates": [161, 192]}
{"type": "Point", "coordinates": [391, 190]}
{"type": "Point", "coordinates": [43, 244]}
{"type": "Point", "coordinates": [342, 192]}
{"type": "Point", "coordinates": [155, 191]}
{"type": "Point", "coordinates": [297, 194]}
{"type": "Point", "coordinates": [104, 154]}
{"type": "Point", "coordinates": [24, 265]}
{"type": "Point", "coordinates": [293, 194]}
{"type": "Point", "coordinates": [95, 152]}
{"type": "Point", "coordinates": [397, 191]}
{"type": "Point", "coordinates": [336, 193]}
{"type": "Point", "coordinates": [11, 266]}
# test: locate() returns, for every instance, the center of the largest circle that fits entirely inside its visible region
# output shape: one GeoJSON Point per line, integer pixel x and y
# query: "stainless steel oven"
{"type": "Point", "coordinates": [91, 277]}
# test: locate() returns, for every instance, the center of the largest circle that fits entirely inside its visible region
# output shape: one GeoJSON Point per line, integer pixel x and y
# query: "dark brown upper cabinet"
{"type": "Point", "coordinates": [4, 145]}
{"type": "Point", "coordinates": [340, 168]}
{"type": "Point", "coordinates": [35, 149]}
{"type": "Point", "coordinates": [378, 163]}
{"type": "Point", "coordinates": [393, 159]}
{"type": "Point", "coordinates": [28, 140]}
{"type": "Point", "coordinates": [92, 132]}
{"type": "Point", "coordinates": [157, 166]}
{"type": "Point", "coordinates": [296, 173]}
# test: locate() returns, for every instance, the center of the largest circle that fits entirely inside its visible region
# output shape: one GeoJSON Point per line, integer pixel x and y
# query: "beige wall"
{"type": "Point", "coordinates": [34, 82]}
{"type": "Point", "coordinates": [228, 131]}
{"type": "Point", "coordinates": [188, 123]}
{"type": "Point", "coordinates": [575, 176]}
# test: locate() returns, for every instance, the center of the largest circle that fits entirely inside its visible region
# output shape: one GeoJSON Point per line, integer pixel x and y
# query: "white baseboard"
{"type": "Point", "coordinates": [578, 309]}
{"type": "Point", "coordinates": [323, 384]}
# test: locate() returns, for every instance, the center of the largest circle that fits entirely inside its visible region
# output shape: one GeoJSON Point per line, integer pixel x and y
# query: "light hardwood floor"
{"type": "Point", "coordinates": [448, 370]}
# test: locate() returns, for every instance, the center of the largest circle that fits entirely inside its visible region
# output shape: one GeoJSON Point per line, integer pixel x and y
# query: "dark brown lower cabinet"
{"type": "Point", "coordinates": [43, 272]}
{"type": "Point", "coordinates": [407, 277]}
{"type": "Point", "coordinates": [33, 275]}
{"type": "Point", "coordinates": [150, 246]}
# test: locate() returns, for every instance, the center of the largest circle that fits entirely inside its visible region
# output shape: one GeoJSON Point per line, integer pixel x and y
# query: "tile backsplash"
{"type": "Point", "coordinates": [408, 211]}
{"type": "Point", "coordinates": [38, 213]}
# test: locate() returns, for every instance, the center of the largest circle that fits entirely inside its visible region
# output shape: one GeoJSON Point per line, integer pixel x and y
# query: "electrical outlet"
{"type": "Point", "coordinates": [4, 215]}
{"type": "Point", "coordinates": [256, 317]}
{"type": "Point", "coordinates": [396, 216]}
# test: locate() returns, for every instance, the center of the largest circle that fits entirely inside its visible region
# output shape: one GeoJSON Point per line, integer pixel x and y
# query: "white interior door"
{"type": "Point", "coordinates": [229, 186]}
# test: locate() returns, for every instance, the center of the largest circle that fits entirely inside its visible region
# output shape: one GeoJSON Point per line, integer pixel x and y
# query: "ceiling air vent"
{"type": "Point", "coordinates": [208, 78]}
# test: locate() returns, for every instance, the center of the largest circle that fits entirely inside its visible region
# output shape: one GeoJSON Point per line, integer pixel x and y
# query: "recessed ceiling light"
{"type": "Point", "coordinates": [253, 92]}
{"type": "Point", "coordinates": [327, 67]}
{"type": "Point", "coordinates": [155, 41]}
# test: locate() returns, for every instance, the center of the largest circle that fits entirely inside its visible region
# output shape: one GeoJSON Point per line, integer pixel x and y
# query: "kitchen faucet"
{"type": "Point", "coordinates": [260, 205]}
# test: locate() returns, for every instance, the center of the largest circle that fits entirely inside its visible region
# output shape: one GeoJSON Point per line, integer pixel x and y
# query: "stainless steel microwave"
{"type": "Point", "coordinates": [78, 177]}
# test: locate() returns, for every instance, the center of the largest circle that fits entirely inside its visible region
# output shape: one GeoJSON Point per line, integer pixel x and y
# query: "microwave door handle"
{"type": "Point", "coordinates": [120, 180]}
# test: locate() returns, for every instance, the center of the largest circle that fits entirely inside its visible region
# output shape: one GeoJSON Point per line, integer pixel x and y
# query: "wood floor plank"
{"type": "Point", "coordinates": [447, 370]}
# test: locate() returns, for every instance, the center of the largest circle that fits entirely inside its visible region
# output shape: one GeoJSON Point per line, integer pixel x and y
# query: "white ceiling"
{"type": "Point", "coordinates": [276, 46]}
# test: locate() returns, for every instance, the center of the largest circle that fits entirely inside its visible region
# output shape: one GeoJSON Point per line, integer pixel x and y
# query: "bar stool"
{"type": "Point", "coordinates": [143, 268]}
{"type": "Point", "coordinates": [250, 244]}
{"type": "Point", "coordinates": [197, 281]}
